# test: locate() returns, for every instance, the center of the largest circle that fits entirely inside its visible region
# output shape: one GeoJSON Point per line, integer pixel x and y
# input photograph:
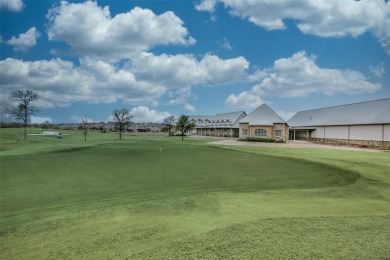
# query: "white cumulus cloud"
{"type": "Point", "coordinates": [40, 120]}
{"type": "Point", "coordinates": [299, 76]}
{"type": "Point", "coordinates": [206, 5]}
{"type": "Point", "coordinates": [12, 5]}
{"type": "Point", "coordinates": [245, 100]}
{"type": "Point", "coordinates": [225, 44]}
{"type": "Point", "coordinates": [25, 40]}
{"type": "Point", "coordinates": [143, 81]}
{"type": "Point", "coordinates": [382, 31]}
{"type": "Point", "coordinates": [60, 83]}
{"type": "Point", "coordinates": [185, 70]}
{"type": "Point", "coordinates": [378, 70]}
{"type": "Point", "coordinates": [145, 114]}
{"type": "Point", "coordinates": [321, 17]}
{"type": "Point", "coordinates": [91, 31]}
{"type": "Point", "coordinates": [189, 107]}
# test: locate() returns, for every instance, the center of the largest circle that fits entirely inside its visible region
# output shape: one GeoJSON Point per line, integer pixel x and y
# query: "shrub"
{"type": "Point", "coordinates": [264, 140]}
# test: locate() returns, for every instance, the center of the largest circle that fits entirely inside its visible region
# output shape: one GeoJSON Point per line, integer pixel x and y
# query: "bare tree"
{"type": "Point", "coordinates": [122, 119]}
{"type": "Point", "coordinates": [85, 126]}
{"type": "Point", "coordinates": [168, 122]}
{"type": "Point", "coordinates": [24, 109]}
{"type": "Point", "coordinates": [184, 125]}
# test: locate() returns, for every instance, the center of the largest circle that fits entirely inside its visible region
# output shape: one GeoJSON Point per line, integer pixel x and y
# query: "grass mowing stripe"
{"type": "Point", "coordinates": [286, 238]}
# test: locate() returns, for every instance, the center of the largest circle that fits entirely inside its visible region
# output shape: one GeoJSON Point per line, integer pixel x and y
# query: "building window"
{"type": "Point", "coordinates": [278, 133]}
{"type": "Point", "coordinates": [244, 131]}
{"type": "Point", "coordinates": [260, 132]}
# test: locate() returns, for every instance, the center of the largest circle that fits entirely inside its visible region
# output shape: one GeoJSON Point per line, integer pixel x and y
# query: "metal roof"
{"type": "Point", "coordinates": [263, 115]}
{"type": "Point", "coordinates": [225, 120]}
{"type": "Point", "coordinates": [365, 113]}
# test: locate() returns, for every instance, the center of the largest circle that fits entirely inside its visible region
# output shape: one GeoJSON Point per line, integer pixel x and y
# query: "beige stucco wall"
{"type": "Point", "coordinates": [386, 133]}
{"type": "Point", "coordinates": [358, 132]}
{"type": "Point", "coordinates": [340, 132]}
{"type": "Point", "coordinates": [373, 136]}
{"type": "Point", "coordinates": [366, 132]}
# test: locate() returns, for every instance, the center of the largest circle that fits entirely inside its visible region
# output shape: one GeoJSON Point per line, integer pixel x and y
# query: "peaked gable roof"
{"type": "Point", "coordinates": [263, 115]}
{"type": "Point", "coordinates": [233, 117]}
{"type": "Point", "coordinates": [364, 113]}
{"type": "Point", "coordinates": [218, 120]}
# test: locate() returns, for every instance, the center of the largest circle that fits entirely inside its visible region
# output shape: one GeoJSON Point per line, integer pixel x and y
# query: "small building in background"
{"type": "Point", "coordinates": [263, 122]}
{"type": "Point", "coordinates": [365, 124]}
{"type": "Point", "coordinates": [145, 128]}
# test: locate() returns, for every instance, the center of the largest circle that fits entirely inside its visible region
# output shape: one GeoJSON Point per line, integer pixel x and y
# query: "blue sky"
{"type": "Point", "coordinates": [171, 57]}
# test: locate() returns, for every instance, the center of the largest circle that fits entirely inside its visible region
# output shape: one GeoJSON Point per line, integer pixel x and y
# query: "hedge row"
{"type": "Point", "coordinates": [263, 140]}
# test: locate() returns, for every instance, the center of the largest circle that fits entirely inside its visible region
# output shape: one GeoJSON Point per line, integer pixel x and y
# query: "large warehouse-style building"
{"type": "Point", "coordinates": [365, 124]}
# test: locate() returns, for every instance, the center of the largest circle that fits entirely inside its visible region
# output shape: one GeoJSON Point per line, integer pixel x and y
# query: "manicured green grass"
{"type": "Point", "coordinates": [161, 198]}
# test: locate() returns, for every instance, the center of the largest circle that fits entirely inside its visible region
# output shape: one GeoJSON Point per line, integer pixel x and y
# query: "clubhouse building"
{"type": "Point", "coordinates": [263, 122]}
{"type": "Point", "coordinates": [365, 124]}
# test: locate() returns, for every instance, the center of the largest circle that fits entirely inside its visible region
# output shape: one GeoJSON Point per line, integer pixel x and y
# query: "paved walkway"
{"type": "Point", "coordinates": [297, 144]}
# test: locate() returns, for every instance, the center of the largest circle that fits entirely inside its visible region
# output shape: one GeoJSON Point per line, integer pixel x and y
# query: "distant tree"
{"type": "Point", "coordinates": [122, 118]}
{"type": "Point", "coordinates": [184, 125]}
{"type": "Point", "coordinates": [24, 109]}
{"type": "Point", "coordinates": [85, 127]}
{"type": "Point", "coordinates": [169, 122]}
{"type": "Point", "coordinates": [46, 125]}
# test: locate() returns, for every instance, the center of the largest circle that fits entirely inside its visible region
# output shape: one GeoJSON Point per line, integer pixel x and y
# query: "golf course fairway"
{"type": "Point", "coordinates": [159, 197]}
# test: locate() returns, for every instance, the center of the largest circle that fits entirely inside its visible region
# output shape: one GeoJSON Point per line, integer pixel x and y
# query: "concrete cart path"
{"type": "Point", "coordinates": [296, 144]}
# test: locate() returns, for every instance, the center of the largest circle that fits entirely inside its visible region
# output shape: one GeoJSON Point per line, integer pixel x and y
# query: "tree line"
{"type": "Point", "coordinates": [121, 117]}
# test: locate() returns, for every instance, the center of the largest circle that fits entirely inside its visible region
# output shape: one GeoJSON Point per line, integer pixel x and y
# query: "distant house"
{"type": "Point", "coordinates": [145, 127]}
{"type": "Point", "coordinates": [98, 126]}
{"type": "Point", "coordinates": [155, 127]}
{"type": "Point", "coordinates": [220, 125]}
{"type": "Point", "coordinates": [364, 124]}
{"type": "Point", "coordinates": [68, 126]}
{"type": "Point", "coordinates": [137, 128]}
{"type": "Point", "coordinates": [263, 122]}
{"type": "Point", "coordinates": [110, 126]}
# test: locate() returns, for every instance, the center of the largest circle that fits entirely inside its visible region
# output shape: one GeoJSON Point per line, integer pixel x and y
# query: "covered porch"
{"type": "Point", "coordinates": [217, 132]}
{"type": "Point", "coordinates": [300, 134]}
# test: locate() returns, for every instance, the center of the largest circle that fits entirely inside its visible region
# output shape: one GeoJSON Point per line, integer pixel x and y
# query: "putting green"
{"type": "Point", "coordinates": [150, 169]}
